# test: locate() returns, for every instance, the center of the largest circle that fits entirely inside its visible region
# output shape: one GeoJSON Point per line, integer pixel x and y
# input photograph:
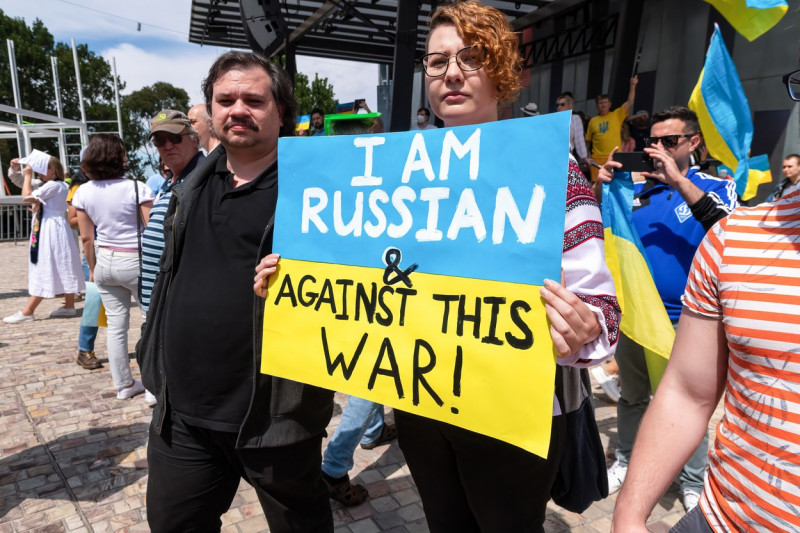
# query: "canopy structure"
{"type": "Point", "coordinates": [358, 30]}
{"type": "Point", "coordinates": [388, 32]}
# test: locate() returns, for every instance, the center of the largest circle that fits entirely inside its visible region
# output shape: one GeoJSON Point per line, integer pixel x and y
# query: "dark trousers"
{"type": "Point", "coordinates": [194, 474]}
{"type": "Point", "coordinates": [471, 483]}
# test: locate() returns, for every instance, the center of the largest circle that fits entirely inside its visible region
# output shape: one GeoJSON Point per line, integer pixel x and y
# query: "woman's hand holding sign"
{"type": "Point", "coordinates": [572, 323]}
{"type": "Point", "coordinates": [265, 267]}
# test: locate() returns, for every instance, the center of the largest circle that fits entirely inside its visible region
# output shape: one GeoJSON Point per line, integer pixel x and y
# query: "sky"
{"type": "Point", "coordinates": [161, 50]}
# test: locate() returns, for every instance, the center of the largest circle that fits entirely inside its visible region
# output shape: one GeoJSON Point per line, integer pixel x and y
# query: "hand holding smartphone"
{"type": "Point", "coordinates": [634, 162]}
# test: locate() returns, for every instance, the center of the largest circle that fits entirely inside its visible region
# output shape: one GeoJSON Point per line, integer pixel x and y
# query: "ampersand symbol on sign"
{"type": "Point", "coordinates": [392, 260]}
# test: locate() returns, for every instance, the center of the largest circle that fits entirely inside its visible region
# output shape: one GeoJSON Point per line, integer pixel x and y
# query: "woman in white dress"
{"type": "Point", "coordinates": [55, 263]}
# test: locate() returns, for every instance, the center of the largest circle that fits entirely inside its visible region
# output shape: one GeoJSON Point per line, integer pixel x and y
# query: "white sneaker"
{"type": "Point", "coordinates": [17, 318]}
{"type": "Point", "coordinates": [690, 499]}
{"type": "Point", "coordinates": [64, 312]}
{"type": "Point", "coordinates": [616, 476]}
{"type": "Point", "coordinates": [150, 398]}
{"type": "Point", "coordinates": [130, 392]}
{"type": "Point", "coordinates": [609, 383]}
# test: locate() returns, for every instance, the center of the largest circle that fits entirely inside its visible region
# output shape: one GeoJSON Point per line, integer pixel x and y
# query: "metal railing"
{"type": "Point", "coordinates": [15, 219]}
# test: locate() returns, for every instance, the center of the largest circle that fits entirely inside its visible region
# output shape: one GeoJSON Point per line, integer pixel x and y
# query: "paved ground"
{"type": "Point", "coordinates": [73, 456]}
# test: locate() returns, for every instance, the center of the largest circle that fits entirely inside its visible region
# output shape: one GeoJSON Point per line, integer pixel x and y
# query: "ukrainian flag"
{"type": "Point", "coordinates": [724, 115]}
{"type": "Point", "coordinates": [644, 318]}
{"type": "Point", "coordinates": [751, 18]}
{"type": "Point", "coordinates": [303, 122]}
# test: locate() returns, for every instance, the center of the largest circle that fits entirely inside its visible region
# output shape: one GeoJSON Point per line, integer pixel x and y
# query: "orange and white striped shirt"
{"type": "Point", "coordinates": [747, 273]}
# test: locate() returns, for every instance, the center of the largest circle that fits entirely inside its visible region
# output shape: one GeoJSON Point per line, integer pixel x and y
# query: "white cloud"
{"type": "Point", "coordinates": [183, 66]}
{"type": "Point", "coordinates": [161, 50]}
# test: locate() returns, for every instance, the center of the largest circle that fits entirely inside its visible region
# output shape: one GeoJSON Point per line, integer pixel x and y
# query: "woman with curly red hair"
{"type": "Point", "coordinates": [470, 482]}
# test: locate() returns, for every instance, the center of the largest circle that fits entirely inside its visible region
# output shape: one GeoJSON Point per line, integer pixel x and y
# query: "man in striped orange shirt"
{"type": "Point", "coordinates": [738, 334]}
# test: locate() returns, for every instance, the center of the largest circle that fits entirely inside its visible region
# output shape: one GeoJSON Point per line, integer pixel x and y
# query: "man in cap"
{"type": "Point", "coordinates": [201, 122]}
{"type": "Point", "coordinates": [218, 418]}
{"type": "Point", "coordinates": [603, 131]}
{"type": "Point", "coordinates": [172, 134]}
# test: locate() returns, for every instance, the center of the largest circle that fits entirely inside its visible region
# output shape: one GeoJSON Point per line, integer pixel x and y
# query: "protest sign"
{"type": "Point", "coordinates": [410, 271]}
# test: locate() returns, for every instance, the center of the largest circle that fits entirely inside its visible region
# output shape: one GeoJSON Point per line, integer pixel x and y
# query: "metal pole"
{"type": "Point", "coordinates": [84, 133]}
{"type": "Point", "coordinates": [62, 144]}
{"type": "Point", "coordinates": [12, 64]}
{"type": "Point", "coordinates": [116, 95]}
{"type": "Point", "coordinates": [404, 50]}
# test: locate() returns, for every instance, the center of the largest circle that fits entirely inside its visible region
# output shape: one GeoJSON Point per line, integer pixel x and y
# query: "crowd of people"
{"type": "Point", "coordinates": [726, 276]}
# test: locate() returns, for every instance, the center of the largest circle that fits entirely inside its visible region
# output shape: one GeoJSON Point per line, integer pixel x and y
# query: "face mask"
{"type": "Point", "coordinates": [421, 119]}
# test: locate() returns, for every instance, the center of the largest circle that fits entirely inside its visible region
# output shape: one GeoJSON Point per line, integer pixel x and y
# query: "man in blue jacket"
{"type": "Point", "coordinates": [673, 208]}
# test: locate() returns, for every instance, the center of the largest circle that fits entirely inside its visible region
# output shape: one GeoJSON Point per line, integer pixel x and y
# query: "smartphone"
{"type": "Point", "coordinates": [634, 162]}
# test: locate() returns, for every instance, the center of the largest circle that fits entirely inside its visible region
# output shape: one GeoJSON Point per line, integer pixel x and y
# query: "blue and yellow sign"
{"type": "Point", "coordinates": [410, 271]}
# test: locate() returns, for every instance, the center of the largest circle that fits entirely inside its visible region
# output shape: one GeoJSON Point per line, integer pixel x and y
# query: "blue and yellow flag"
{"type": "Point", "coordinates": [644, 318]}
{"type": "Point", "coordinates": [724, 115]}
{"type": "Point", "coordinates": [751, 18]}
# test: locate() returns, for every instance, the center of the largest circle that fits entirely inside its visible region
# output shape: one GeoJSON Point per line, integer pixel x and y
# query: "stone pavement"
{"type": "Point", "coordinates": [73, 457]}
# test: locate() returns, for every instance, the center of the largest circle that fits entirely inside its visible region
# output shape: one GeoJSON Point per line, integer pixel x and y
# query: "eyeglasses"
{"type": "Point", "coordinates": [792, 82]}
{"type": "Point", "coordinates": [160, 140]}
{"type": "Point", "coordinates": [561, 104]}
{"type": "Point", "coordinates": [467, 59]}
{"type": "Point", "coordinates": [667, 141]}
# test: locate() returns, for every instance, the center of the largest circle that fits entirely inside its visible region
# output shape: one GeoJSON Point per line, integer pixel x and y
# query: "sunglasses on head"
{"type": "Point", "coordinates": [668, 141]}
{"type": "Point", "coordinates": [174, 138]}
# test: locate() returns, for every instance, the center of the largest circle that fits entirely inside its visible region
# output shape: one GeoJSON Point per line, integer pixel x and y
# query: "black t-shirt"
{"type": "Point", "coordinates": [208, 323]}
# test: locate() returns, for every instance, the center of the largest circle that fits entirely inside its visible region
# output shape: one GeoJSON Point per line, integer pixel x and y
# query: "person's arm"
{"type": "Point", "coordinates": [605, 175]}
{"type": "Point", "coordinates": [86, 228]}
{"type": "Point", "coordinates": [15, 172]}
{"type": "Point", "coordinates": [676, 420]}
{"type": "Point", "coordinates": [583, 309]}
{"type": "Point", "coordinates": [72, 217]}
{"type": "Point", "coordinates": [576, 134]}
{"type": "Point", "coordinates": [707, 208]}
{"type": "Point", "coordinates": [27, 181]}
{"type": "Point", "coordinates": [146, 207]}
{"type": "Point", "coordinates": [266, 267]}
{"type": "Point", "coordinates": [628, 105]}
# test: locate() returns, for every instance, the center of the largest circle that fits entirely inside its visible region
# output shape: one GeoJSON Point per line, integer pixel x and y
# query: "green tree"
{"type": "Point", "coordinates": [33, 47]}
{"type": "Point", "coordinates": [137, 110]}
{"type": "Point", "coordinates": [319, 94]}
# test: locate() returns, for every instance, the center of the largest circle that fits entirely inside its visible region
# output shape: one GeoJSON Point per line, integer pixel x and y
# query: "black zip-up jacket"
{"type": "Point", "coordinates": [281, 411]}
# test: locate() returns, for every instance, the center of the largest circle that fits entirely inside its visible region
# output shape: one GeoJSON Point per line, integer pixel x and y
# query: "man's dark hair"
{"type": "Point", "coordinates": [796, 158]}
{"type": "Point", "coordinates": [315, 111]}
{"type": "Point", "coordinates": [280, 84]}
{"type": "Point", "coordinates": [602, 96]}
{"type": "Point", "coordinates": [424, 110]}
{"type": "Point", "coordinates": [679, 112]}
{"type": "Point", "coordinates": [104, 158]}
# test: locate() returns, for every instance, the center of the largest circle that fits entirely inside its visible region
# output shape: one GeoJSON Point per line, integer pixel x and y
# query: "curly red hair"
{"type": "Point", "coordinates": [487, 29]}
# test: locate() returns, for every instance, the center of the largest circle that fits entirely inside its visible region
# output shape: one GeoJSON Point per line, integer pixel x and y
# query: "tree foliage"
{"type": "Point", "coordinates": [34, 45]}
{"type": "Point", "coordinates": [318, 94]}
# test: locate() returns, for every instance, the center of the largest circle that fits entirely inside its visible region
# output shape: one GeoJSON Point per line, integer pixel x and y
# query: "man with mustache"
{"type": "Point", "coordinates": [218, 419]}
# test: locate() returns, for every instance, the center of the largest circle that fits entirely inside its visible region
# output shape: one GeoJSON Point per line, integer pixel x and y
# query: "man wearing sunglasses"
{"type": "Point", "coordinates": [673, 207]}
{"type": "Point", "coordinates": [738, 335]}
{"type": "Point", "coordinates": [177, 142]}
